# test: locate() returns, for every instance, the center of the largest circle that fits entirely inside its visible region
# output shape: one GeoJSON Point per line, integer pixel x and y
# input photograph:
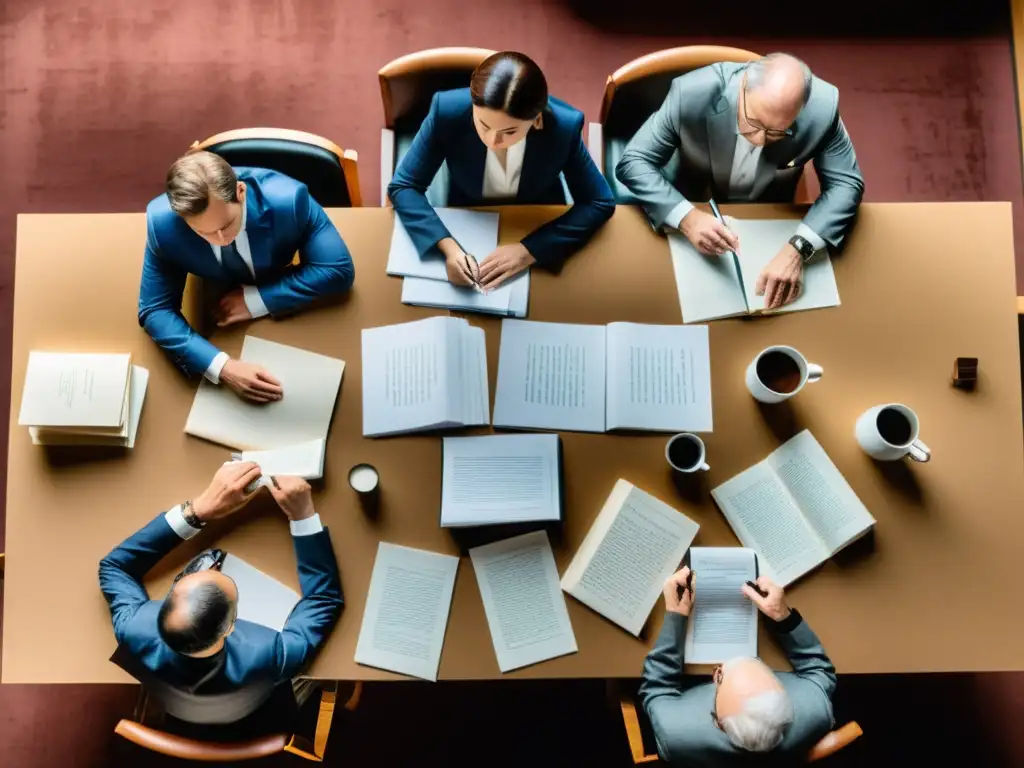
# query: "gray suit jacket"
{"type": "Point", "coordinates": [685, 150]}
{"type": "Point", "coordinates": [680, 712]}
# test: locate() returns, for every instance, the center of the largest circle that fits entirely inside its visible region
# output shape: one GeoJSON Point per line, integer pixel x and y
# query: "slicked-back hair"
{"type": "Point", "coordinates": [512, 83]}
{"type": "Point", "coordinates": [194, 177]}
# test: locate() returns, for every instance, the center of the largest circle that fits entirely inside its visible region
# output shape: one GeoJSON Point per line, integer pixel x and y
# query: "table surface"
{"type": "Point", "coordinates": [934, 589]}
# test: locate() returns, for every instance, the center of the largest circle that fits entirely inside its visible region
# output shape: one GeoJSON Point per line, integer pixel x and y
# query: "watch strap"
{"type": "Point", "coordinates": [803, 246]}
{"type": "Point", "coordinates": [188, 512]}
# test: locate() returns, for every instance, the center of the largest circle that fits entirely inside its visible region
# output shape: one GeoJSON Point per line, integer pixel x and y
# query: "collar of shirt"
{"type": "Point", "coordinates": [502, 182]}
{"type": "Point", "coordinates": [241, 241]}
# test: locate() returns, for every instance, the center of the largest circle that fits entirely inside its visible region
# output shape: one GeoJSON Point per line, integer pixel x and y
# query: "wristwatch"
{"type": "Point", "coordinates": [189, 513]}
{"type": "Point", "coordinates": [803, 247]}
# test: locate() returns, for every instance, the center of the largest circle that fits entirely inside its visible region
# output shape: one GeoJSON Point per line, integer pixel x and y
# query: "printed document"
{"type": "Point", "coordinates": [723, 621]}
{"type": "Point", "coordinates": [262, 599]}
{"type": "Point", "coordinates": [76, 390]}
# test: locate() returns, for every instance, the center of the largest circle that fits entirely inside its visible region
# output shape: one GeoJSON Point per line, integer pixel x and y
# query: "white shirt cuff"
{"type": "Point", "coordinates": [810, 236]}
{"type": "Point", "coordinates": [307, 526]}
{"type": "Point", "coordinates": [216, 366]}
{"type": "Point", "coordinates": [254, 302]}
{"type": "Point", "coordinates": [176, 520]}
{"type": "Point", "coordinates": [675, 216]}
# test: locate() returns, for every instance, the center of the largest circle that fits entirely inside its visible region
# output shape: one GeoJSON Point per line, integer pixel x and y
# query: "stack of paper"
{"type": "Point", "coordinates": [82, 399]}
{"type": "Point", "coordinates": [429, 374]}
{"type": "Point", "coordinates": [426, 279]}
{"type": "Point", "coordinates": [305, 460]}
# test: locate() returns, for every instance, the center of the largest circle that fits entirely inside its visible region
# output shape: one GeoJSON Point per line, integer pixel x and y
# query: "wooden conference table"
{"type": "Point", "coordinates": [935, 589]}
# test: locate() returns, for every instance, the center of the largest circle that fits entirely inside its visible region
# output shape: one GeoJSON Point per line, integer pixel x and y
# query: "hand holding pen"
{"type": "Point", "coordinates": [679, 591]}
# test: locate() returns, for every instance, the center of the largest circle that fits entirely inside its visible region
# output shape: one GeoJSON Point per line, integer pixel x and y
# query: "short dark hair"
{"type": "Point", "coordinates": [209, 613]}
{"type": "Point", "coordinates": [194, 177]}
{"type": "Point", "coordinates": [512, 83]}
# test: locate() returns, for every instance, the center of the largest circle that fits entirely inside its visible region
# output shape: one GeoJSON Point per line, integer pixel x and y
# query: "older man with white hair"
{"type": "Point", "coordinates": [746, 708]}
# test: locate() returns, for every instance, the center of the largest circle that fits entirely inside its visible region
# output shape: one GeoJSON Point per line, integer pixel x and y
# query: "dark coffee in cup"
{"type": "Point", "coordinates": [684, 453]}
{"type": "Point", "coordinates": [779, 372]}
{"type": "Point", "coordinates": [894, 427]}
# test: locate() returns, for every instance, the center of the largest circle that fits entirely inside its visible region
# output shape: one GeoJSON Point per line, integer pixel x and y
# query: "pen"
{"type": "Point", "coordinates": [761, 592]}
{"type": "Point", "coordinates": [735, 257]}
{"type": "Point", "coordinates": [476, 281]}
{"type": "Point", "coordinates": [687, 587]}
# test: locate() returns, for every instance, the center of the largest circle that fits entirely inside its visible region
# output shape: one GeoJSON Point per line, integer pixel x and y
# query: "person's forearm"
{"type": "Point", "coordinates": [449, 248]}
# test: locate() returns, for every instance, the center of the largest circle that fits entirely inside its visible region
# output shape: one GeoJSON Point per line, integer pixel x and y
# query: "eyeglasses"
{"type": "Point", "coordinates": [769, 133]}
{"type": "Point", "coordinates": [717, 676]}
{"type": "Point", "coordinates": [210, 560]}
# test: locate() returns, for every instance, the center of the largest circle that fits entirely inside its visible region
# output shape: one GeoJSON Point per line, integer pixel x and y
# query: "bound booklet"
{"type": "Point", "coordinates": [595, 378]}
{"type": "Point", "coordinates": [794, 509]}
{"type": "Point", "coordinates": [305, 460]}
{"type": "Point", "coordinates": [77, 393]}
{"type": "Point", "coordinates": [635, 543]}
{"type": "Point", "coordinates": [712, 287]}
{"type": "Point", "coordinates": [429, 374]}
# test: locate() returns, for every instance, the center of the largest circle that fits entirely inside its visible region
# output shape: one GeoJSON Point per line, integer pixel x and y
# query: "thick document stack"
{"type": "Point", "coordinates": [82, 399]}
{"type": "Point", "coordinates": [426, 279]}
{"type": "Point", "coordinates": [429, 374]}
{"type": "Point", "coordinates": [595, 378]}
{"type": "Point", "coordinates": [635, 543]}
{"type": "Point", "coordinates": [794, 509]}
{"type": "Point", "coordinates": [723, 622]}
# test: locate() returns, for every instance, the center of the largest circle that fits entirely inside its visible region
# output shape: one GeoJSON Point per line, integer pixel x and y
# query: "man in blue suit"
{"type": "Point", "coordinates": [238, 227]}
{"type": "Point", "coordinates": [188, 649]}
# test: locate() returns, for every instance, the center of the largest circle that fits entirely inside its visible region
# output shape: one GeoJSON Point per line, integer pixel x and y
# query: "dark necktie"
{"type": "Point", "coordinates": [234, 267]}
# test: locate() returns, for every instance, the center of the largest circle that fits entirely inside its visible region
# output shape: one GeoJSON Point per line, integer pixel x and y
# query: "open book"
{"type": "Point", "coordinates": [429, 374]}
{"type": "Point", "coordinates": [595, 378]}
{"type": "Point", "coordinates": [794, 509]}
{"type": "Point", "coordinates": [635, 543]}
{"type": "Point", "coordinates": [711, 287]}
{"type": "Point", "coordinates": [78, 393]}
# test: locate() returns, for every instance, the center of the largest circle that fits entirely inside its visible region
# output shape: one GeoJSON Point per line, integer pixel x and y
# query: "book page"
{"type": "Point", "coordinates": [526, 612]}
{"type": "Point", "coordinates": [310, 382]}
{"type": "Point", "coordinates": [659, 378]}
{"type": "Point", "coordinates": [551, 376]}
{"type": "Point", "coordinates": [305, 460]}
{"type": "Point", "coordinates": [495, 479]}
{"type": "Point", "coordinates": [723, 621]}
{"type": "Point", "coordinates": [407, 611]}
{"type": "Point", "coordinates": [476, 232]}
{"type": "Point", "coordinates": [708, 286]}
{"type": "Point", "coordinates": [635, 544]}
{"type": "Point", "coordinates": [262, 599]}
{"type": "Point", "coordinates": [760, 241]}
{"type": "Point", "coordinates": [75, 390]}
{"type": "Point", "coordinates": [765, 518]}
{"type": "Point", "coordinates": [471, 399]}
{"type": "Point", "coordinates": [825, 498]}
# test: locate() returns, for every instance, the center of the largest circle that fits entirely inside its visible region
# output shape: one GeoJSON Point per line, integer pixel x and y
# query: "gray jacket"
{"type": "Point", "coordinates": [685, 150]}
{"type": "Point", "coordinates": [680, 711]}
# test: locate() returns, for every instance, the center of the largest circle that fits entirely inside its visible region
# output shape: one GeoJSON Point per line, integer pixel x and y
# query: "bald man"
{"type": "Point", "coordinates": [190, 650]}
{"type": "Point", "coordinates": [742, 133]}
{"type": "Point", "coordinates": [746, 708]}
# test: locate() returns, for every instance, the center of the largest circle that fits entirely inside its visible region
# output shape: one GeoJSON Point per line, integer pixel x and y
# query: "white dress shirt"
{"type": "Point", "coordinates": [503, 182]}
{"type": "Point", "coordinates": [741, 183]}
{"type": "Point", "coordinates": [250, 294]}
{"type": "Point", "coordinates": [175, 518]}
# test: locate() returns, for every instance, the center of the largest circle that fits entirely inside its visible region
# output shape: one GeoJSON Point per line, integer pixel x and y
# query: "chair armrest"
{"type": "Point", "coordinates": [832, 742]}
{"type": "Point", "coordinates": [1020, 311]}
{"type": "Point", "coordinates": [387, 163]}
{"type": "Point", "coordinates": [191, 749]}
{"type": "Point", "coordinates": [595, 143]}
{"type": "Point", "coordinates": [633, 734]}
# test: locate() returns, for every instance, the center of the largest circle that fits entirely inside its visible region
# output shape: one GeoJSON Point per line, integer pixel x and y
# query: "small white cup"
{"type": "Point", "coordinates": [877, 447]}
{"type": "Point", "coordinates": [699, 465]}
{"type": "Point", "coordinates": [809, 372]}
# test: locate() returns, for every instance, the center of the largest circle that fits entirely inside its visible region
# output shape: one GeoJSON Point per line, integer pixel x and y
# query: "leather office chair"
{"type": "Point", "coordinates": [224, 752]}
{"type": "Point", "coordinates": [829, 744]}
{"type": "Point", "coordinates": [330, 172]}
{"type": "Point", "coordinates": [636, 90]}
{"type": "Point", "coordinates": [407, 85]}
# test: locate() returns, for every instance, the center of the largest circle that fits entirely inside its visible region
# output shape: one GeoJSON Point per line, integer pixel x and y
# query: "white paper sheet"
{"type": "Point", "coordinates": [407, 611]}
{"type": "Point", "coordinates": [77, 390]}
{"type": "Point", "coordinates": [262, 599]}
{"type": "Point", "coordinates": [475, 231]}
{"type": "Point", "coordinates": [708, 286]}
{"type": "Point", "coordinates": [525, 609]}
{"type": "Point", "coordinates": [723, 622]}
{"type": "Point", "coordinates": [305, 460]}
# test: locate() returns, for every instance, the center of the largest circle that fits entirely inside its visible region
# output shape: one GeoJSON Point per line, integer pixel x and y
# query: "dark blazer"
{"type": "Point", "coordinates": [281, 218]}
{"type": "Point", "coordinates": [255, 659]}
{"type": "Point", "coordinates": [448, 135]}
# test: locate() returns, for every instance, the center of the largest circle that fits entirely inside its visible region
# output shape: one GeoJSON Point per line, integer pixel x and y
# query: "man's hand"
{"type": "Point", "coordinates": [293, 495]}
{"type": "Point", "coordinates": [773, 606]}
{"type": "Point", "coordinates": [251, 382]}
{"type": "Point", "coordinates": [708, 235]}
{"type": "Point", "coordinates": [679, 598]}
{"type": "Point", "coordinates": [231, 309]}
{"type": "Point", "coordinates": [781, 280]}
{"type": "Point", "coordinates": [226, 491]}
{"type": "Point", "coordinates": [505, 262]}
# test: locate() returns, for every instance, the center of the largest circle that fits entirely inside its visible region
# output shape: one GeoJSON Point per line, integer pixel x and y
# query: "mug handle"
{"type": "Point", "coordinates": [705, 467]}
{"type": "Point", "coordinates": [814, 372]}
{"type": "Point", "coordinates": [918, 451]}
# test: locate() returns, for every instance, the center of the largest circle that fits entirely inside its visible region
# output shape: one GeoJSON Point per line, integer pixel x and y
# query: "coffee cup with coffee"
{"type": "Point", "coordinates": [889, 432]}
{"type": "Point", "coordinates": [778, 373]}
{"type": "Point", "coordinates": [685, 452]}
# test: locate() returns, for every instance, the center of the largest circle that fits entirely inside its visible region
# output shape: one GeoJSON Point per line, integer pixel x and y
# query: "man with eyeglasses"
{"type": "Point", "coordinates": [746, 708]}
{"type": "Point", "coordinates": [189, 649]}
{"type": "Point", "coordinates": [742, 133]}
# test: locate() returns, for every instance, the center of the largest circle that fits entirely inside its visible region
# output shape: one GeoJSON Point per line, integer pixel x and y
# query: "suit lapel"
{"type": "Point", "coordinates": [773, 157]}
{"type": "Point", "coordinates": [533, 165]}
{"type": "Point", "coordinates": [258, 228]}
{"type": "Point", "coordinates": [475, 153]}
{"type": "Point", "coordinates": [722, 144]}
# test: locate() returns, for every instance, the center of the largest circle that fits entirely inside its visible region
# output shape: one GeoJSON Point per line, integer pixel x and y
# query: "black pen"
{"type": "Point", "coordinates": [761, 592]}
{"type": "Point", "coordinates": [476, 281]}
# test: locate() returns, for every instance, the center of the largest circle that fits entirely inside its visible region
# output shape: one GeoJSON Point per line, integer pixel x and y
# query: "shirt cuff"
{"type": "Point", "coordinates": [213, 372]}
{"type": "Point", "coordinates": [676, 215]}
{"type": "Point", "coordinates": [254, 302]}
{"type": "Point", "coordinates": [307, 526]}
{"type": "Point", "coordinates": [176, 519]}
{"type": "Point", "coordinates": [789, 623]}
{"type": "Point", "coordinates": [810, 236]}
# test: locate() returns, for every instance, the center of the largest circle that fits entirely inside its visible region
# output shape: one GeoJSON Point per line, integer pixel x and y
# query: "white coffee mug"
{"type": "Point", "coordinates": [699, 464]}
{"type": "Point", "coordinates": [877, 446]}
{"type": "Point", "coordinates": [809, 372]}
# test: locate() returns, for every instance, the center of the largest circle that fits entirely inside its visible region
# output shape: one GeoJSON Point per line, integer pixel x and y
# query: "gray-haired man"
{"type": "Point", "coordinates": [743, 132]}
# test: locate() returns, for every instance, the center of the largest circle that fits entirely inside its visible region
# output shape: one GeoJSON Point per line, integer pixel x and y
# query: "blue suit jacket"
{"type": "Point", "coordinates": [281, 218]}
{"type": "Point", "coordinates": [254, 656]}
{"type": "Point", "coordinates": [448, 134]}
